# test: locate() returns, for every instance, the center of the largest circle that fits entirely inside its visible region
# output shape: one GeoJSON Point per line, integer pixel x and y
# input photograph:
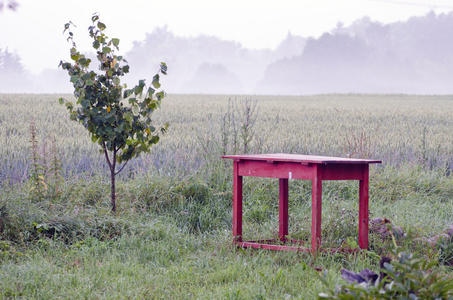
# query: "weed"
{"type": "Point", "coordinates": [410, 276]}
{"type": "Point", "coordinates": [45, 176]}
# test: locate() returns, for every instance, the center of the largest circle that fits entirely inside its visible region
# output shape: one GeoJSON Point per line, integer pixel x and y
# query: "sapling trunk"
{"type": "Point", "coordinates": [112, 179]}
{"type": "Point", "coordinates": [113, 196]}
{"type": "Point", "coordinates": [112, 167]}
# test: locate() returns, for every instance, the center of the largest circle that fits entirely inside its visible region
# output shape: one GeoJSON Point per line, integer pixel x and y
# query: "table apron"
{"type": "Point", "coordinates": [295, 170]}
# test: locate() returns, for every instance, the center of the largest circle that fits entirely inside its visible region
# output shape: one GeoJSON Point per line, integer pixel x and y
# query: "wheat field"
{"type": "Point", "coordinates": [397, 129]}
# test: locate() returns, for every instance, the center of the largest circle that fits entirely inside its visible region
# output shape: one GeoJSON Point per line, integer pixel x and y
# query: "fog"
{"type": "Point", "coordinates": [415, 57]}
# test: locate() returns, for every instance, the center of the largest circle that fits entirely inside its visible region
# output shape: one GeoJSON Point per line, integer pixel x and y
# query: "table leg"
{"type": "Point", "coordinates": [283, 208]}
{"type": "Point", "coordinates": [237, 203]}
{"type": "Point", "coordinates": [316, 208]}
{"type": "Point", "coordinates": [363, 208]}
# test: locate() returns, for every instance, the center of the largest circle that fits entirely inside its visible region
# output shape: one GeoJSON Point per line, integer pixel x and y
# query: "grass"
{"type": "Point", "coordinates": [171, 237]}
{"type": "Point", "coordinates": [176, 265]}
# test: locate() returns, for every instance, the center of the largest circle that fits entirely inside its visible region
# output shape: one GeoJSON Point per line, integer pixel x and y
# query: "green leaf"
{"type": "Point", "coordinates": [95, 17]}
{"type": "Point", "coordinates": [116, 42]}
{"type": "Point", "coordinates": [128, 117]}
{"type": "Point", "coordinates": [66, 27]}
{"type": "Point", "coordinates": [151, 92]}
{"type": "Point", "coordinates": [84, 62]}
{"type": "Point", "coordinates": [85, 103]}
{"type": "Point", "coordinates": [165, 128]}
{"type": "Point", "coordinates": [86, 76]}
{"type": "Point", "coordinates": [89, 82]}
{"type": "Point", "coordinates": [106, 50]}
{"type": "Point", "coordinates": [154, 139]}
{"type": "Point", "coordinates": [96, 44]}
{"type": "Point", "coordinates": [116, 80]}
{"type": "Point", "coordinates": [160, 95]}
{"type": "Point", "coordinates": [74, 78]}
{"type": "Point", "coordinates": [163, 68]}
{"type": "Point", "coordinates": [101, 26]}
{"type": "Point", "coordinates": [155, 82]}
{"type": "Point", "coordinates": [75, 56]}
{"type": "Point", "coordinates": [154, 104]}
{"type": "Point", "coordinates": [139, 88]}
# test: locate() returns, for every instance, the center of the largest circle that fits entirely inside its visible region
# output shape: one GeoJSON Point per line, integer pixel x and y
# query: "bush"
{"type": "Point", "coordinates": [409, 277]}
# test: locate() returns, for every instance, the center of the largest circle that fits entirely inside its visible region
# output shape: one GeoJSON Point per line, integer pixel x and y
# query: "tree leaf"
{"type": "Point", "coordinates": [150, 92]}
{"type": "Point", "coordinates": [106, 50]}
{"type": "Point", "coordinates": [74, 78]}
{"type": "Point", "coordinates": [163, 68]}
{"type": "Point", "coordinates": [160, 95]}
{"type": "Point", "coordinates": [116, 42]}
{"type": "Point", "coordinates": [139, 88]}
{"type": "Point", "coordinates": [85, 103]}
{"type": "Point", "coordinates": [101, 26]}
{"type": "Point", "coordinates": [156, 83]}
{"type": "Point", "coordinates": [95, 17]}
{"type": "Point", "coordinates": [75, 56]}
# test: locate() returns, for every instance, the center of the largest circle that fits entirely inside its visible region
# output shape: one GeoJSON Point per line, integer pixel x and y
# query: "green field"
{"type": "Point", "coordinates": [171, 236]}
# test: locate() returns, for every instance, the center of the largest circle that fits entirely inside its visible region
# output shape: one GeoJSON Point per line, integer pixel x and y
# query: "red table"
{"type": "Point", "coordinates": [293, 166]}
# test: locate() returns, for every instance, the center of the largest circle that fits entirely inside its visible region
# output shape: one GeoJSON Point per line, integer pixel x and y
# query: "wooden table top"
{"type": "Point", "coordinates": [313, 159]}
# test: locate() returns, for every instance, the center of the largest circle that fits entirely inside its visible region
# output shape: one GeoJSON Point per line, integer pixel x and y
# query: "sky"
{"type": "Point", "coordinates": [34, 30]}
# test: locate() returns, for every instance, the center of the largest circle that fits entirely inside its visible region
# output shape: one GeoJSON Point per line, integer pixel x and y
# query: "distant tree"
{"type": "Point", "coordinates": [12, 73]}
{"type": "Point", "coordinates": [9, 4]}
{"type": "Point", "coordinates": [123, 131]}
{"type": "Point", "coordinates": [10, 63]}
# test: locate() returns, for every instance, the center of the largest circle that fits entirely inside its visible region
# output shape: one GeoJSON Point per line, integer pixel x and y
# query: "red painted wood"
{"type": "Point", "coordinates": [283, 208]}
{"type": "Point", "coordinates": [288, 170]}
{"type": "Point", "coordinates": [272, 247]}
{"type": "Point", "coordinates": [301, 158]}
{"type": "Point", "coordinates": [259, 245]}
{"type": "Point", "coordinates": [237, 203]}
{"type": "Point", "coordinates": [316, 208]}
{"type": "Point", "coordinates": [293, 166]}
{"type": "Point", "coordinates": [336, 171]}
{"type": "Point", "coordinates": [363, 208]}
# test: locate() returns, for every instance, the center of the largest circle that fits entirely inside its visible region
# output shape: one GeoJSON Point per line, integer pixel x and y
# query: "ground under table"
{"type": "Point", "coordinates": [293, 166]}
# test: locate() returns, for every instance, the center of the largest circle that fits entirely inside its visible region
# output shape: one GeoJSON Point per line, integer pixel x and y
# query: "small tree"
{"type": "Point", "coordinates": [122, 130]}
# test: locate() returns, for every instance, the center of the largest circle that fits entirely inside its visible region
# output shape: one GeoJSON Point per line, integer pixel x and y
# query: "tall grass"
{"type": "Point", "coordinates": [397, 129]}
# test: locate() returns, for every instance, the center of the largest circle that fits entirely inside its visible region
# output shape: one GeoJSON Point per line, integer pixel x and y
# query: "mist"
{"type": "Point", "coordinates": [411, 57]}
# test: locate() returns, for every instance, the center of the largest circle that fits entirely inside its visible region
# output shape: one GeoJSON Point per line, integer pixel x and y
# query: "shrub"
{"type": "Point", "coordinates": [409, 277]}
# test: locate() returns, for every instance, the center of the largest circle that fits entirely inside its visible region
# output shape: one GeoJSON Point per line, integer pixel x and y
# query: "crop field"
{"type": "Point", "coordinates": [171, 236]}
{"type": "Point", "coordinates": [397, 129]}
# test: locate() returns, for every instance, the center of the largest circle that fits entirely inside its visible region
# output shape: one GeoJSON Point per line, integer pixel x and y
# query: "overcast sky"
{"type": "Point", "coordinates": [34, 31]}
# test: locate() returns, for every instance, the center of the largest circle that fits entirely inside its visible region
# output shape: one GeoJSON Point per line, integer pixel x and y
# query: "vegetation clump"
{"type": "Point", "coordinates": [410, 276]}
